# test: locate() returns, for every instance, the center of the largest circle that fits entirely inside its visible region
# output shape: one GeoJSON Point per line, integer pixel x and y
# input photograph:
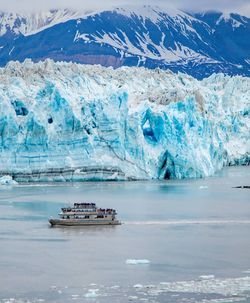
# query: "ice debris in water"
{"type": "Point", "coordinates": [138, 286]}
{"type": "Point", "coordinates": [7, 180]}
{"type": "Point", "coordinates": [246, 271]}
{"type": "Point", "coordinates": [66, 121]}
{"type": "Point", "coordinates": [207, 277]}
{"type": "Point", "coordinates": [92, 293]}
{"type": "Point", "coordinates": [207, 285]}
{"type": "Point", "coordinates": [137, 261]}
{"type": "Point", "coordinates": [114, 287]}
{"type": "Point", "coordinates": [132, 298]}
{"type": "Point", "coordinates": [203, 187]}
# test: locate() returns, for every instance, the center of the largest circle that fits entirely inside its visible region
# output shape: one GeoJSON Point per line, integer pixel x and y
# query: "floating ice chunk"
{"type": "Point", "coordinates": [138, 286]}
{"type": "Point", "coordinates": [7, 180]}
{"type": "Point", "coordinates": [203, 187]}
{"type": "Point", "coordinates": [206, 277]}
{"type": "Point", "coordinates": [131, 298]}
{"type": "Point", "coordinates": [114, 286]}
{"type": "Point", "coordinates": [150, 286]}
{"type": "Point", "coordinates": [137, 261]}
{"type": "Point", "coordinates": [74, 296]}
{"type": "Point", "coordinates": [92, 293]}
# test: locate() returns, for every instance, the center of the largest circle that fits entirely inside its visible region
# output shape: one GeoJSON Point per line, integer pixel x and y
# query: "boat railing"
{"type": "Point", "coordinates": [98, 210]}
{"type": "Point", "coordinates": [108, 211]}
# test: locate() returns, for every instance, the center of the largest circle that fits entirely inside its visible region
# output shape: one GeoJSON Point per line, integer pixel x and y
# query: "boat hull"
{"type": "Point", "coordinates": [84, 222]}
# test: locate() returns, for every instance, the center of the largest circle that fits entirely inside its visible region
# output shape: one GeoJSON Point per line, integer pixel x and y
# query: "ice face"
{"type": "Point", "coordinates": [64, 121]}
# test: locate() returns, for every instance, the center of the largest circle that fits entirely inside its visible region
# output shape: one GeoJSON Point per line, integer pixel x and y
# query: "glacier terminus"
{"type": "Point", "coordinates": [71, 122]}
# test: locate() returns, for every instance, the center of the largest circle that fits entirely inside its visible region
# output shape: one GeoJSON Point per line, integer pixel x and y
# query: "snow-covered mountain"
{"type": "Point", "coordinates": [28, 24]}
{"type": "Point", "coordinates": [66, 121]}
{"type": "Point", "coordinates": [198, 44]}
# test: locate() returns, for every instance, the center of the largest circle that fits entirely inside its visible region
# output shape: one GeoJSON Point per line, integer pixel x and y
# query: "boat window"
{"type": "Point", "coordinates": [86, 217]}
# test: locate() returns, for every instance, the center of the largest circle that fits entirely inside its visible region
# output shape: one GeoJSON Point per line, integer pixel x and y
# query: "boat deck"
{"type": "Point", "coordinates": [82, 222]}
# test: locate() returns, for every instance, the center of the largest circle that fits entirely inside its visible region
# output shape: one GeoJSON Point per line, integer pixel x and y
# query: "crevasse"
{"type": "Point", "coordinates": [66, 121]}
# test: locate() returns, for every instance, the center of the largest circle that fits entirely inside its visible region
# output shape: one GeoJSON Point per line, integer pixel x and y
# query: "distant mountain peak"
{"type": "Point", "coordinates": [149, 36]}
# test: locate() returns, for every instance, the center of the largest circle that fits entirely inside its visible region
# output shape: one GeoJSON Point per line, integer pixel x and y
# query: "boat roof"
{"type": "Point", "coordinates": [84, 204]}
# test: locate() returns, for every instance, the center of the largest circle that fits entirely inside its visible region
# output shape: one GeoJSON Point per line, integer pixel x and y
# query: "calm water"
{"type": "Point", "coordinates": [195, 235]}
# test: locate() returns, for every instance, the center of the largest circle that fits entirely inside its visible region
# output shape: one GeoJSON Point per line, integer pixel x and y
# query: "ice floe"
{"type": "Point", "coordinates": [137, 261]}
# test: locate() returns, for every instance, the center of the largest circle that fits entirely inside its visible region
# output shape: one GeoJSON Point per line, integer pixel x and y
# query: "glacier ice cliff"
{"type": "Point", "coordinates": [66, 121]}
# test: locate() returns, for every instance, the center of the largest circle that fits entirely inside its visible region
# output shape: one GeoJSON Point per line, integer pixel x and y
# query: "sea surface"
{"type": "Point", "coordinates": [193, 235]}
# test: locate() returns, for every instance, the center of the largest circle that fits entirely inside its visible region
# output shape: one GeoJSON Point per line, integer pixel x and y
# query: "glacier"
{"type": "Point", "coordinates": [71, 122]}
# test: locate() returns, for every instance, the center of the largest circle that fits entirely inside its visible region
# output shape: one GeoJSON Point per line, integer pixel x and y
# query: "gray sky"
{"type": "Point", "coordinates": [240, 6]}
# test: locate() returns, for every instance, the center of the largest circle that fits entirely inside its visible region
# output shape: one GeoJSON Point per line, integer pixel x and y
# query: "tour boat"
{"type": "Point", "coordinates": [85, 214]}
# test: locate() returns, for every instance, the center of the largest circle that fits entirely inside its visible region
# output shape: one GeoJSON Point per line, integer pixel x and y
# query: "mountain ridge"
{"type": "Point", "coordinates": [194, 43]}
